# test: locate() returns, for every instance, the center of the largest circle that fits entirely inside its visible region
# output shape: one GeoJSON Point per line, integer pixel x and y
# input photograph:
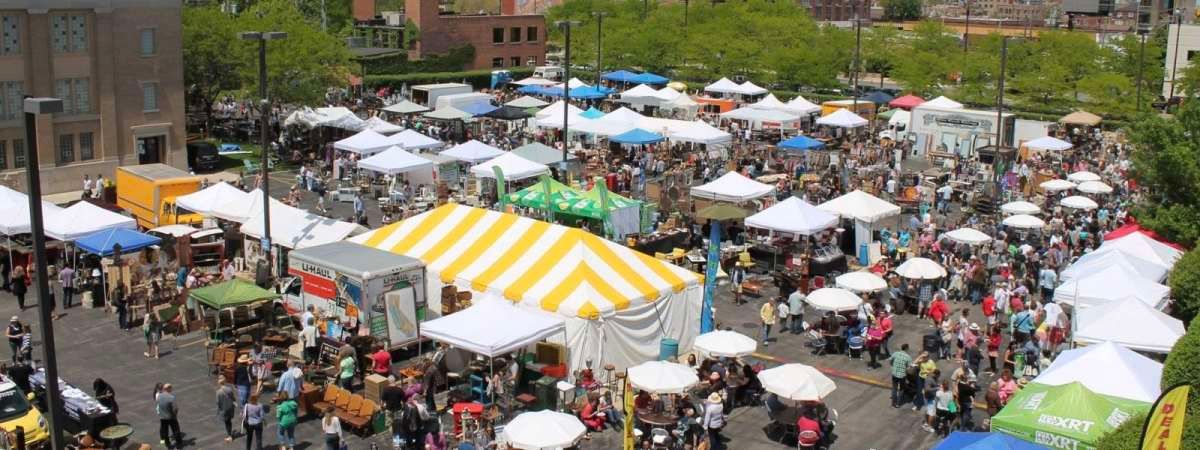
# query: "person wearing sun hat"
{"type": "Point", "coordinates": [713, 420]}
{"type": "Point", "coordinates": [242, 379]}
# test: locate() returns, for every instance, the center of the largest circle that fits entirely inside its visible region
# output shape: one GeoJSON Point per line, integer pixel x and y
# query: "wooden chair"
{"type": "Point", "coordinates": [342, 401]}
{"type": "Point", "coordinates": [360, 421]}
{"type": "Point", "coordinates": [351, 408]}
{"type": "Point", "coordinates": [331, 395]}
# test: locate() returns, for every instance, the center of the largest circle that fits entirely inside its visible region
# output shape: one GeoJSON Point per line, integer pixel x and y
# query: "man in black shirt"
{"type": "Point", "coordinates": [19, 373]}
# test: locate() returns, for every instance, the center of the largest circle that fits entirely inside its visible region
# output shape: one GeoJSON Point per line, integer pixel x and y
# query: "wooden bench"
{"type": "Point", "coordinates": [333, 396]}
{"type": "Point", "coordinates": [359, 419]}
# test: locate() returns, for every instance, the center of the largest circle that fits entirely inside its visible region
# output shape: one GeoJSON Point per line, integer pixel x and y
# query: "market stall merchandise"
{"type": "Point", "coordinates": [662, 377]}
{"type": "Point", "coordinates": [793, 215]}
{"type": "Point", "coordinates": [1129, 323]}
{"type": "Point", "coordinates": [473, 152]}
{"type": "Point", "coordinates": [1112, 283]}
{"type": "Point", "coordinates": [1106, 369]}
{"type": "Point", "coordinates": [833, 299]}
{"type": "Point", "coordinates": [797, 382]}
{"type": "Point", "coordinates": [732, 187]}
{"type": "Point", "coordinates": [1069, 416]}
{"type": "Point", "coordinates": [969, 236]}
{"type": "Point", "coordinates": [208, 199]}
{"type": "Point", "coordinates": [104, 242]}
{"type": "Point", "coordinates": [568, 271]}
{"type": "Point", "coordinates": [82, 219]}
{"type": "Point", "coordinates": [512, 167]}
{"type": "Point", "coordinates": [543, 430]}
{"type": "Point", "coordinates": [1020, 207]}
{"type": "Point", "coordinates": [394, 160]}
{"type": "Point", "coordinates": [724, 343]}
{"type": "Point", "coordinates": [493, 327]}
{"type": "Point", "coordinates": [83, 412]}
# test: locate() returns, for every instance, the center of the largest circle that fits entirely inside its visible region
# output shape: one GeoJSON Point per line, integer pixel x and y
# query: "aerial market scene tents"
{"type": "Point", "coordinates": [104, 242]}
{"type": "Point", "coordinates": [1067, 416]}
{"type": "Point", "coordinates": [579, 276]}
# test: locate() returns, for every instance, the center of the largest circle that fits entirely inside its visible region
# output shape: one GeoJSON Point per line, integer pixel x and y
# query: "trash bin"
{"type": "Point", "coordinates": [667, 349]}
{"type": "Point", "coordinates": [864, 255]}
{"type": "Point", "coordinates": [547, 395]}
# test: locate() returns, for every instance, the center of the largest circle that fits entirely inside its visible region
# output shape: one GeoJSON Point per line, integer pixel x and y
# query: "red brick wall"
{"type": "Point", "coordinates": [363, 9]}
{"type": "Point", "coordinates": [440, 33]}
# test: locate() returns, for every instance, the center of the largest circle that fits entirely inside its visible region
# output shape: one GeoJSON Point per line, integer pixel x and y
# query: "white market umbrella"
{"type": "Point", "coordinates": [1082, 176]}
{"type": "Point", "coordinates": [969, 236]}
{"type": "Point", "coordinates": [1023, 221]}
{"type": "Point", "coordinates": [730, 344]}
{"type": "Point", "coordinates": [1094, 187]}
{"type": "Point", "coordinates": [833, 299]}
{"type": "Point", "coordinates": [1049, 143]}
{"type": "Point", "coordinates": [861, 281]}
{"type": "Point", "coordinates": [1020, 207]}
{"type": "Point", "coordinates": [1079, 202]}
{"type": "Point", "coordinates": [1057, 185]}
{"type": "Point", "coordinates": [921, 269]}
{"type": "Point", "coordinates": [544, 430]}
{"type": "Point", "coordinates": [797, 382]}
{"type": "Point", "coordinates": [661, 377]}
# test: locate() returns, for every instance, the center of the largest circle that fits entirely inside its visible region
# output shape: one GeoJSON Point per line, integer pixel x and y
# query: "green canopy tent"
{"type": "Point", "coordinates": [1066, 416]}
{"type": "Point", "coordinates": [589, 204]}
{"type": "Point", "coordinates": [229, 296]}
{"type": "Point", "coordinates": [535, 196]}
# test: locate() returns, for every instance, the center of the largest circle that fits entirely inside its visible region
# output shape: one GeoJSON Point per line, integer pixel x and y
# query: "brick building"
{"type": "Point", "coordinates": [837, 10]}
{"type": "Point", "coordinates": [118, 67]}
{"type": "Point", "coordinates": [505, 40]}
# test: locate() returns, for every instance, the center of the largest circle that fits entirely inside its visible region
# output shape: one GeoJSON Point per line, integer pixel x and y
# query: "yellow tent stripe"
{"type": "Point", "coordinates": [472, 253]}
{"type": "Point", "coordinates": [660, 268]}
{"type": "Point", "coordinates": [627, 273]}
{"type": "Point", "coordinates": [377, 237]}
{"type": "Point", "coordinates": [544, 264]}
{"type": "Point", "coordinates": [455, 234]}
{"type": "Point", "coordinates": [433, 221]}
{"type": "Point", "coordinates": [606, 290]}
{"type": "Point", "coordinates": [555, 298]}
{"type": "Point", "coordinates": [559, 294]}
{"type": "Point", "coordinates": [506, 260]}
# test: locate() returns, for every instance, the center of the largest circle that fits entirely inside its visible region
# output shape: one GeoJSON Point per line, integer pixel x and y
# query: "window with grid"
{"type": "Point", "coordinates": [62, 90]}
{"type": "Point", "coordinates": [514, 34]}
{"type": "Point", "coordinates": [10, 35]}
{"type": "Point", "coordinates": [497, 35]}
{"type": "Point", "coordinates": [515, 61]}
{"type": "Point", "coordinates": [86, 147]}
{"type": "Point", "coordinates": [79, 36]}
{"type": "Point", "coordinates": [18, 146]}
{"type": "Point", "coordinates": [66, 148]}
{"type": "Point", "coordinates": [82, 97]}
{"type": "Point", "coordinates": [3, 155]}
{"type": "Point", "coordinates": [11, 93]}
{"type": "Point", "coordinates": [68, 33]}
{"type": "Point", "coordinates": [497, 62]}
{"type": "Point", "coordinates": [149, 97]}
{"type": "Point", "coordinates": [148, 43]}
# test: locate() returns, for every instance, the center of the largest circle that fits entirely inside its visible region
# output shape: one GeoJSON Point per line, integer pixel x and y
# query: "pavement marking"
{"type": "Point", "coordinates": [189, 344]}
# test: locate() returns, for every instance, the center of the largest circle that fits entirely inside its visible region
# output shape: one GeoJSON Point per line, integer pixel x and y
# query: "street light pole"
{"type": "Point", "coordinates": [599, 15]}
{"type": "Point", "coordinates": [1175, 58]}
{"type": "Point", "coordinates": [566, 27]}
{"type": "Point", "coordinates": [1141, 66]}
{"type": "Point", "coordinates": [265, 117]}
{"type": "Point", "coordinates": [1000, 94]}
{"type": "Point", "coordinates": [967, 30]}
{"type": "Point", "coordinates": [33, 108]}
{"type": "Point", "coordinates": [857, 50]}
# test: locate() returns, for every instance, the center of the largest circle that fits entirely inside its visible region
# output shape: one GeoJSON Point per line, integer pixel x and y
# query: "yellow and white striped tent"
{"type": "Point", "coordinates": [558, 269]}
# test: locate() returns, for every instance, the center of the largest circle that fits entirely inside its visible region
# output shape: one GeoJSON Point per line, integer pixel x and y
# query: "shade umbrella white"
{"type": "Point", "coordinates": [543, 430]}
{"type": "Point", "coordinates": [1020, 207]}
{"type": "Point", "coordinates": [797, 382]}
{"type": "Point", "coordinates": [1048, 143]}
{"type": "Point", "coordinates": [861, 281]}
{"type": "Point", "coordinates": [793, 216]}
{"type": "Point", "coordinates": [1083, 176]}
{"type": "Point", "coordinates": [1057, 185]}
{"type": "Point", "coordinates": [730, 344]}
{"type": "Point", "coordinates": [1094, 187]}
{"type": "Point", "coordinates": [1130, 323]}
{"type": "Point", "coordinates": [1024, 221]}
{"type": "Point", "coordinates": [1079, 202]}
{"type": "Point", "coordinates": [662, 377]}
{"type": "Point", "coordinates": [921, 269]}
{"type": "Point", "coordinates": [833, 299]}
{"type": "Point", "coordinates": [969, 236]}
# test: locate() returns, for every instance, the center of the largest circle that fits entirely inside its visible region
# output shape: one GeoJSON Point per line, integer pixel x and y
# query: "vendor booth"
{"type": "Point", "coordinates": [1106, 369]}
{"type": "Point", "coordinates": [82, 219]}
{"type": "Point", "coordinates": [1036, 411]}
{"type": "Point", "coordinates": [616, 303]}
{"type": "Point", "coordinates": [205, 201]}
{"type": "Point", "coordinates": [1131, 324]}
{"type": "Point", "coordinates": [865, 209]}
{"type": "Point", "coordinates": [232, 308]}
{"type": "Point", "coordinates": [511, 166]}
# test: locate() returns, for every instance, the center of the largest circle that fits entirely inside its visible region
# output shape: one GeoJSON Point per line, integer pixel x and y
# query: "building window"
{"type": "Point", "coordinates": [66, 148]}
{"type": "Point", "coordinates": [87, 149]}
{"type": "Point", "coordinates": [10, 35]}
{"type": "Point", "coordinates": [83, 101]}
{"type": "Point", "coordinates": [497, 62]}
{"type": "Point", "coordinates": [11, 93]}
{"type": "Point", "coordinates": [149, 97]}
{"type": "Point", "coordinates": [3, 155]}
{"type": "Point", "coordinates": [68, 33]}
{"type": "Point", "coordinates": [515, 61]}
{"type": "Point", "coordinates": [532, 61]}
{"type": "Point", "coordinates": [497, 35]}
{"type": "Point", "coordinates": [514, 34]}
{"type": "Point", "coordinates": [75, 95]}
{"type": "Point", "coordinates": [148, 43]}
{"type": "Point", "coordinates": [18, 153]}
{"type": "Point", "coordinates": [531, 34]}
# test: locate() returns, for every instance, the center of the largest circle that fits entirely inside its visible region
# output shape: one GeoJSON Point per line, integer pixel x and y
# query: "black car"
{"type": "Point", "coordinates": [202, 156]}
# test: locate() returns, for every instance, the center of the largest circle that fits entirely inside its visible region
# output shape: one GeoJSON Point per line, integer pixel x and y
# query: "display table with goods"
{"type": "Point", "coordinates": [83, 412]}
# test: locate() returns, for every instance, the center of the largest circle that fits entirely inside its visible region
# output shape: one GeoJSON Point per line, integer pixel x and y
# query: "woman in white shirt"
{"type": "Point", "coordinates": [332, 428]}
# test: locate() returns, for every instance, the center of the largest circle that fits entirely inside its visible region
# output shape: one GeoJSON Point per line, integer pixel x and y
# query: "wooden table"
{"type": "Point", "coordinates": [657, 419]}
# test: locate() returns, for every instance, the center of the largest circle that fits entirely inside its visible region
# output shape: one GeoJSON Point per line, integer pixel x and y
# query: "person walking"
{"type": "Point", "coordinates": [252, 422]}
{"type": "Point", "coordinates": [796, 311]}
{"type": "Point", "coordinates": [331, 427]}
{"type": "Point", "coordinates": [290, 381]}
{"type": "Point", "coordinates": [168, 418]}
{"type": "Point", "coordinates": [153, 332]}
{"type": "Point", "coordinates": [122, 307]}
{"type": "Point", "coordinates": [768, 314]}
{"type": "Point", "coordinates": [714, 420]}
{"type": "Point", "coordinates": [947, 408]}
{"type": "Point", "coordinates": [14, 333]}
{"type": "Point", "coordinates": [19, 282]}
{"type": "Point", "coordinates": [900, 362]}
{"type": "Point", "coordinates": [346, 366]}
{"type": "Point", "coordinates": [286, 415]}
{"type": "Point", "coordinates": [66, 277]}
{"type": "Point", "coordinates": [226, 406]}
{"type": "Point", "coordinates": [308, 335]}
{"type": "Point", "coordinates": [242, 379]}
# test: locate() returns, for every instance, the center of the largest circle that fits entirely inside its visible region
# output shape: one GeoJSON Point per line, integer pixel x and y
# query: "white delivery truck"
{"type": "Point", "coordinates": [428, 94]}
{"type": "Point", "coordinates": [461, 100]}
{"type": "Point", "coordinates": [384, 291]}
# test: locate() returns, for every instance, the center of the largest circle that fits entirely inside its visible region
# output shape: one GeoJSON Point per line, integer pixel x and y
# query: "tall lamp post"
{"type": "Point", "coordinates": [857, 51]}
{"type": "Point", "coordinates": [265, 116]}
{"type": "Point", "coordinates": [566, 27]}
{"type": "Point", "coordinates": [1174, 59]}
{"type": "Point", "coordinates": [1142, 31]}
{"type": "Point", "coordinates": [599, 15]}
{"type": "Point", "coordinates": [35, 107]}
{"type": "Point", "coordinates": [967, 27]}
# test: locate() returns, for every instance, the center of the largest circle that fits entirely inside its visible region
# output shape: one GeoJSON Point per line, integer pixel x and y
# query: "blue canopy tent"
{"type": "Point", "coordinates": [102, 243]}
{"type": "Point", "coordinates": [879, 98]}
{"type": "Point", "coordinates": [619, 76]}
{"type": "Point", "coordinates": [801, 143]}
{"type": "Point", "coordinates": [637, 136]}
{"type": "Point", "coordinates": [479, 108]}
{"type": "Point", "coordinates": [649, 78]}
{"type": "Point", "coordinates": [592, 113]}
{"type": "Point", "coordinates": [961, 440]}
{"type": "Point", "coordinates": [531, 89]}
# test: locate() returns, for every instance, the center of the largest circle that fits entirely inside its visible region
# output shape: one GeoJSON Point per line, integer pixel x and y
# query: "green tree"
{"type": "Point", "coordinates": [881, 45]}
{"type": "Point", "coordinates": [901, 9]}
{"type": "Point", "coordinates": [1108, 93]}
{"type": "Point", "coordinates": [1166, 163]}
{"type": "Point", "coordinates": [1123, 55]}
{"type": "Point", "coordinates": [979, 71]}
{"type": "Point", "coordinates": [334, 16]}
{"type": "Point", "coordinates": [927, 62]}
{"type": "Point", "coordinates": [299, 68]}
{"type": "Point", "coordinates": [1185, 290]}
{"type": "Point", "coordinates": [209, 67]}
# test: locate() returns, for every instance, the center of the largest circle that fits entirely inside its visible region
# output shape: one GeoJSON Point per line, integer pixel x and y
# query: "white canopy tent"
{"type": "Point", "coordinates": [525, 102]}
{"type": "Point", "coordinates": [393, 161]}
{"type": "Point", "coordinates": [641, 93]}
{"type": "Point", "coordinates": [493, 327]}
{"type": "Point", "coordinates": [942, 102]}
{"type": "Point", "coordinates": [382, 126]}
{"type": "Point", "coordinates": [749, 88]}
{"type": "Point", "coordinates": [412, 140]}
{"type": "Point", "coordinates": [859, 205]}
{"type": "Point", "coordinates": [843, 118]}
{"type": "Point", "coordinates": [556, 121]}
{"type": "Point", "coordinates": [1095, 261]}
{"type": "Point", "coordinates": [793, 216]}
{"type": "Point", "coordinates": [473, 152]}
{"type": "Point", "coordinates": [512, 166]}
{"type": "Point", "coordinates": [770, 102]}
{"type": "Point", "coordinates": [969, 236]}
{"type": "Point", "coordinates": [1048, 143]}
{"type": "Point", "coordinates": [723, 86]}
{"type": "Point", "coordinates": [1145, 247]}
{"type": "Point", "coordinates": [1024, 221]}
{"type": "Point", "coordinates": [757, 117]}
{"type": "Point", "coordinates": [534, 81]}
{"type": "Point", "coordinates": [1130, 323]}
{"type": "Point", "coordinates": [900, 118]}
{"type": "Point", "coordinates": [365, 142]}
{"type": "Point", "coordinates": [82, 219]}
{"type": "Point", "coordinates": [1020, 207]}
{"type": "Point", "coordinates": [556, 110]}
{"type": "Point", "coordinates": [448, 113]}
{"type": "Point", "coordinates": [206, 200]}
{"type": "Point", "coordinates": [405, 107]}
{"type": "Point", "coordinates": [14, 211]}
{"type": "Point", "coordinates": [1106, 369]}
{"type": "Point", "coordinates": [696, 132]}
{"type": "Point", "coordinates": [336, 117]}
{"type": "Point", "coordinates": [801, 105]}
{"type": "Point", "coordinates": [296, 228]}
{"type": "Point", "coordinates": [1110, 284]}
{"type": "Point", "coordinates": [732, 187]}
{"type": "Point", "coordinates": [242, 209]}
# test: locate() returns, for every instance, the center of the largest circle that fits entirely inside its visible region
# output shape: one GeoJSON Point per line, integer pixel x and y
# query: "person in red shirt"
{"type": "Point", "coordinates": [989, 309]}
{"type": "Point", "coordinates": [938, 310]}
{"type": "Point", "coordinates": [993, 347]}
{"type": "Point", "coordinates": [381, 361]}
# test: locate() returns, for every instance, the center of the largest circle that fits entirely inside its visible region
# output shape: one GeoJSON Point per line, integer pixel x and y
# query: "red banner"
{"type": "Point", "coordinates": [316, 285]}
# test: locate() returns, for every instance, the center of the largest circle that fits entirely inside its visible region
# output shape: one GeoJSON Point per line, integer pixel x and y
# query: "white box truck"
{"type": "Point", "coordinates": [461, 100]}
{"type": "Point", "coordinates": [383, 290]}
{"type": "Point", "coordinates": [428, 94]}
